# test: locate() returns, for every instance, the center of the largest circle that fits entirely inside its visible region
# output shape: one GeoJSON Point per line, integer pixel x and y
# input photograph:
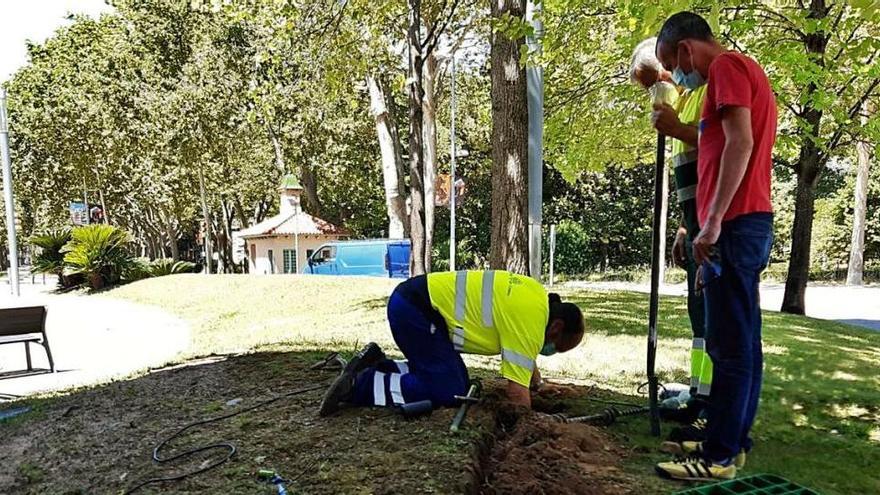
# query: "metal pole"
{"type": "Point", "coordinates": [296, 238]}
{"type": "Point", "coordinates": [7, 195]}
{"type": "Point", "coordinates": [535, 83]}
{"type": "Point", "coordinates": [659, 171]}
{"type": "Point", "coordinates": [452, 169]}
{"type": "Point", "coordinates": [552, 252]}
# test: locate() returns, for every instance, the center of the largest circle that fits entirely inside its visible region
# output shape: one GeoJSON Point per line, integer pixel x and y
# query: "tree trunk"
{"type": "Point", "coordinates": [206, 217]}
{"type": "Point", "coordinates": [430, 122]}
{"type": "Point", "coordinates": [276, 147]}
{"type": "Point", "coordinates": [395, 202]}
{"type": "Point", "coordinates": [856, 267]}
{"type": "Point", "coordinates": [242, 216]}
{"type": "Point", "coordinates": [416, 168]}
{"type": "Point", "coordinates": [801, 234]}
{"type": "Point", "coordinates": [808, 169]}
{"type": "Point", "coordinates": [171, 234]}
{"type": "Point", "coordinates": [310, 189]}
{"type": "Point", "coordinates": [510, 126]}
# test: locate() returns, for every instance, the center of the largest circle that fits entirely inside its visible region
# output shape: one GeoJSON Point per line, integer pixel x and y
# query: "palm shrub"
{"type": "Point", "coordinates": [49, 258]}
{"type": "Point", "coordinates": [167, 266]}
{"type": "Point", "coordinates": [99, 253]}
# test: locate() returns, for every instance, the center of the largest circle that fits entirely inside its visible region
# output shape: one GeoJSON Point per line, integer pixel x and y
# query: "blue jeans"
{"type": "Point", "coordinates": [733, 333]}
{"type": "Point", "coordinates": [433, 369]}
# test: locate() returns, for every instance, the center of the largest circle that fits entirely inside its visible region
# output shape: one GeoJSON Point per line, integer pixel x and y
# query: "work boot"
{"type": "Point", "coordinates": [694, 432]}
{"type": "Point", "coordinates": [695, 468]}
{"type": "Point", "coordinates": [369, 356]}
{"type": "Point", "coordinates": [341, 389]}
{"type": "Point", "coordinates": [689, 449]}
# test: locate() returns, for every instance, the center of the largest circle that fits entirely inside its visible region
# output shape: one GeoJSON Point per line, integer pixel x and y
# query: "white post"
{"type": "Point", "coordinates": [7, 195]}
{"type": "Point", "coordinates": [296, 238]}
{"type": "Point", "coordinates": [452, 168]}
{"type": "Point", "coordinates": [535, 84]}
{"type": "Point", "coordinates": [552, 252]}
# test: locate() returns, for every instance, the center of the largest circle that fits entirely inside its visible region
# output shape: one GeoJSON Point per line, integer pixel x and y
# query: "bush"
{"type": "Point", "coordinates": [50, 258]}
{"type": "Point", "coordinates": [99, 253]}
{"type": "Point", "coordinates": [167, 266]}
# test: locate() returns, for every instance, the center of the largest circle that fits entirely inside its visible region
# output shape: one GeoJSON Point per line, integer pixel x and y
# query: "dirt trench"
{"type": "Point", "coordinates": [528, 454]}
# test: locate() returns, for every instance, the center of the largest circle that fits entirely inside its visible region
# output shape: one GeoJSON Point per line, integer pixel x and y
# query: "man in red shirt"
{"type": "Point", "coordinates": [737, 133]}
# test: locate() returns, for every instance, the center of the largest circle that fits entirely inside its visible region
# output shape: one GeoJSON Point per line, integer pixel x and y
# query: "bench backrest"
{"type": "Point", "coordinates": [18, 321]}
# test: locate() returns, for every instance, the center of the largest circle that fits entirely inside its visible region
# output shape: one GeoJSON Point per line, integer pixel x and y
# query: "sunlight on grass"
{"type": "Point", "coordinates": [848, 411]}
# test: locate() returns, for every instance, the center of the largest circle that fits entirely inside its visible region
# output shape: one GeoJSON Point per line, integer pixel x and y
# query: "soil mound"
{"type": "Point", "coordinates": [540, 456]}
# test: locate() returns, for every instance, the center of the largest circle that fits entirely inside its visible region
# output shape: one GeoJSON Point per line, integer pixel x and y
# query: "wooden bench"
{"type": "Point", "coordinates": [25, 325]}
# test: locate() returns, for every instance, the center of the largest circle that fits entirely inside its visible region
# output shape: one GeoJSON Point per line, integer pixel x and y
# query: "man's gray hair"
{"type": "Point", "coordinates": [644, 57]}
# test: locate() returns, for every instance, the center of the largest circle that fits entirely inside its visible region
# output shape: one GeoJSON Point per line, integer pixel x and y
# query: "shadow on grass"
{"type": "Point", "coordinates": [118, 424]}
{"type": "Point", "coordinates": [374, 303]}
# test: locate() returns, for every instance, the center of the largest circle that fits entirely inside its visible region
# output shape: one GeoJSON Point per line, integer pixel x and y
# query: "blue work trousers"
{"type": "Point", "coordinates": [433, 369]}
{"type": "Point", "coordinates": [733, 332]}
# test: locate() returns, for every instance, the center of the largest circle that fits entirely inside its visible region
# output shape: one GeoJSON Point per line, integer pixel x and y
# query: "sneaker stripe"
{"type": "Point", "coordinates": [687, 468]}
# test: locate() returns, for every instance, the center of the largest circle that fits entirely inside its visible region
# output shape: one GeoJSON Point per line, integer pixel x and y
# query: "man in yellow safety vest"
{"type": "Point", "coordinates": [435, 318]}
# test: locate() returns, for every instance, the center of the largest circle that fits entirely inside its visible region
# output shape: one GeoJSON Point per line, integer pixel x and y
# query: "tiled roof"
{"type": "Point", "coordinates": [290, 224]}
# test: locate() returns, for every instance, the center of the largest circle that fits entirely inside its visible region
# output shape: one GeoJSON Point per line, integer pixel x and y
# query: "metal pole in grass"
{"type": "Point", "coordinates": [552, 252]}
{"type": "Point", "coordinates": [659, 172]}
{"type": "Point", "coordinates": [7, 195]}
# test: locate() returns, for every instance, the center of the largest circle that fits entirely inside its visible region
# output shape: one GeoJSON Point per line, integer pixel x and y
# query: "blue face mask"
{"type": "Point", "coordinates": [690, 80]}
{"type": "Point", "coordinates": [549, 349]}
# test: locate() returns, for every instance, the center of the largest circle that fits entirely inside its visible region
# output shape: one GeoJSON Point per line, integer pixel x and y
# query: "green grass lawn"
{"type": "Point", "coordinates": [819, 423]}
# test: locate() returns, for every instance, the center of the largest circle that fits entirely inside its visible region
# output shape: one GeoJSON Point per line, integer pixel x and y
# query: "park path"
{"type": "Point", "coordinates": [93, 340]}
{"type": "Point", "coordinates": [858, 306]}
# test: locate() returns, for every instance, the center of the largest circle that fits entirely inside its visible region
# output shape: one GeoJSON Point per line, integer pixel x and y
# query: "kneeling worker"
{"type": "Point", "coordinates": [436, 317]}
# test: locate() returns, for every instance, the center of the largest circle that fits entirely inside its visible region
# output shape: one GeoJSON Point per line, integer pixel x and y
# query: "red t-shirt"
{"type": "Point", "coordinates": [738, 81]}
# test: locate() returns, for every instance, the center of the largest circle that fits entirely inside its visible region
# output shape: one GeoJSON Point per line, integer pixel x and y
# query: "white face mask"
{"type": "Point", "coordinates": [689, 80]}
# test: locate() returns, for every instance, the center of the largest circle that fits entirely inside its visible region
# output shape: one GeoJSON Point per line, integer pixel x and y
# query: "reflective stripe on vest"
{"type": "Point", "coordinates": [687, 193]}
{"type": "Point", "coordinates": [488, 298]}
{"type": "Point", "coordinates": [460, 295]}
{"type": "Point", "coordinates": [518, 359]}
{"type": "Point", "coordinates": [458, 338]}
{"type": "Point", "coordinates": [684, 157]}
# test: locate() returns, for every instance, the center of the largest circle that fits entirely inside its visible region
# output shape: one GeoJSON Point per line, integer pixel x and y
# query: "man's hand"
{"type": "Point", "coordinates": [665, 120]}
{"type": "Point", "coordinates": [518, 394]}
{"type": "Point", "coordinates": [679, 246]}
{"type": "Point", "coordinates": [705, 240]}
{"type": "Point", "coordinates": [537, 381]}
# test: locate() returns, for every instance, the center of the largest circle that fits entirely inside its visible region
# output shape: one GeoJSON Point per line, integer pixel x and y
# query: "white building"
{"type": "Point", "coordinates": [283, 243]}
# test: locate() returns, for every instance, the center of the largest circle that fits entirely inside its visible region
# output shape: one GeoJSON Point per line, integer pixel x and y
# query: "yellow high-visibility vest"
{"type": "Point", "coordinates": [494, 312]}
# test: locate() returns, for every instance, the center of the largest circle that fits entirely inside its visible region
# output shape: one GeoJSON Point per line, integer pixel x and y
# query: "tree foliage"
{"type": "Point", "coordinates": [132, 108]}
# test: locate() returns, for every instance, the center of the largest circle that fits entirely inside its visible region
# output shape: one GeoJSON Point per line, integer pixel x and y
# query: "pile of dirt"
{"type": "Point", "coordinates": [539, 456]}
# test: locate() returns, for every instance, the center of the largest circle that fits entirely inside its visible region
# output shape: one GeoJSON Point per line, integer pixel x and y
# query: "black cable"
{"type": "Point", "coordinates": [612, 402]}
{"type": "Point", "coordinates": [222, 445]}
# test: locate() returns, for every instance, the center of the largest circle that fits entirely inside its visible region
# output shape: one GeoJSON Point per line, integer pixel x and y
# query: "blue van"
{"type": "Point", "coordinates": [375, 258]}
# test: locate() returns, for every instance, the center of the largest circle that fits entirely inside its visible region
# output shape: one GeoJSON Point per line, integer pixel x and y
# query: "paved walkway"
{"type": "Point", "coordinates": [93, 340]}
{"type": "Point", "coordinates": [854, 305]}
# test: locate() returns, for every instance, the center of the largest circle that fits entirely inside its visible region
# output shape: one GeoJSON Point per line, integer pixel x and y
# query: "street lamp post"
{"type": "Point", "coordinates": [535, 85]}
{"type": "Point", "coordinates": [7, 195]}
{"type": "Point", "coordinates": [452, 167]}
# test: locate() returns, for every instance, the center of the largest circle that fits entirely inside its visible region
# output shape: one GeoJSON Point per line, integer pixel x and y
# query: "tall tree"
{"type": "Point", "coordinates": [856, 267]}
{"type": "Point", "coordinates": [416, 148]}
{"type": "Point", "coordinates": [386, 130]}
{"type": "Point", "coordinates": [510, 128]}
{"type": "Point", "coordinates": [429, 115]}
